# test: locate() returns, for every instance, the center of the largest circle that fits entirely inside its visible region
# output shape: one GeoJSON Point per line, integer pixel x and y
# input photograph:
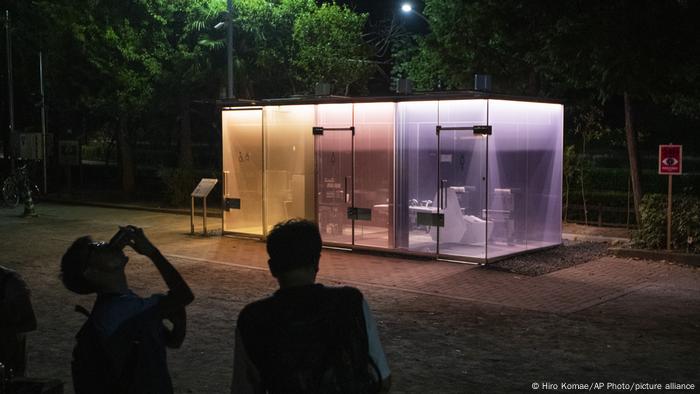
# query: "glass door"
{"type": "Point", "coordinates": [334, 183]}
{"type": "Point", "coordinates": [243, 171]}
{"type": "Point", "coordinates": [441, 178]}
{"type": "Point", "coordinates": [461, 192]}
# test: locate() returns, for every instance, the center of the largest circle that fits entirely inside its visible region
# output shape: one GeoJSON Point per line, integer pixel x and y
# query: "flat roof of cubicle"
{"type": "Point", "coordinates": [427, 96]}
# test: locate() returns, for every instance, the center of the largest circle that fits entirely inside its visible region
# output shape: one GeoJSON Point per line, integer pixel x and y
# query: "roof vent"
{"type": "Point", "coordinates": [482, 82]}
{"type": "Point", "coordinates": [402, 86]}
{"type": "Point", "coordinates": [322, 89]}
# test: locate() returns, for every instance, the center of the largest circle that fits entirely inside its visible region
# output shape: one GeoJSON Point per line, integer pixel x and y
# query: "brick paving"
{"type": "Point", "coordinates": [566, 291]}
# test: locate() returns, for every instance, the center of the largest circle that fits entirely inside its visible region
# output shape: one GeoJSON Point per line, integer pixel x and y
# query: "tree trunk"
{"type": "Point", "coordinates": [631, 135]}
{"type": "Point", "coordinates": [126, 159]}
{"type": "Point", "coordinates": [185, 156]}
{"type": "Point", "coordinates": [582, 174]}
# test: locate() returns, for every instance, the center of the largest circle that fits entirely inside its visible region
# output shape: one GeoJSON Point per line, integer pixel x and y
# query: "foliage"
{"type": "Point", "coordinates": [685, 223]}
{"type": "Point", "coordinates": [179, 183]}
{"type": "Point", "coordinates": [329, 48]}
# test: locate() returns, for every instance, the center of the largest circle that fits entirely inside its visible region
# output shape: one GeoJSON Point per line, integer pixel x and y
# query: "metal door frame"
{"type": "Point", "coordinates": [318, 133]}
{"type": "Point", "coordinates": [225, 174]}
{"type": "Point", "coordinates": [486, 131]}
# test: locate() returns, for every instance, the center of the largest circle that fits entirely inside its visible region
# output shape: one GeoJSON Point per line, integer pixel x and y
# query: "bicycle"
{"type": "Point", "coordinates": [15, 187]}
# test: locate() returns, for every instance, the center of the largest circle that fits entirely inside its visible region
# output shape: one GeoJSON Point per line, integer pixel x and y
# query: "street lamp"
{"type": "Point", "coordinates": [229, 49]}
{"type": "Point", "coordinates": [408, 8]}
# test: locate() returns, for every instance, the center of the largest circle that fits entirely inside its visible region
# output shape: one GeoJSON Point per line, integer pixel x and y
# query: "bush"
{"type": "Point", "coordinates": [685, 223]}
{"type": "Point", "coordinates": [179, 183]}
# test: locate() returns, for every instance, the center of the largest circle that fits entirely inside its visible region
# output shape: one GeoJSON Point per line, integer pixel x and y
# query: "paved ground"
{"type": "Point", "coordinates": [446, 327]}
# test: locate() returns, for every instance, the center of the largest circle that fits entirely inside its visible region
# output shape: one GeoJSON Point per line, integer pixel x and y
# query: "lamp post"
{"type": "Point", "coordinates": [407, 8]}
{"type": "Point", "coordinates": [229, 47]}
{"type": "Point", "coordinates": [10, 93]}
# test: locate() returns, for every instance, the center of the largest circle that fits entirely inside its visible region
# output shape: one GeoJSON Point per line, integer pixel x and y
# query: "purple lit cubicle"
{"type": "Point", "coordinates": [404, 174]}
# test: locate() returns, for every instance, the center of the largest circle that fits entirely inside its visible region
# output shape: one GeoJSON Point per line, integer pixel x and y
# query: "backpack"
{"type": "Point", "coordinates": [129, 361]}
{"type": "Point", "coordinates": [311, 343]}
{"type": "Point", "coordinates": [348, 366]}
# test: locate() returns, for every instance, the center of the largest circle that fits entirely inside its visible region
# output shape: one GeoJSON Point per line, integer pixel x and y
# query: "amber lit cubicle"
{"type": "Point", "coordinates": [418, 175]}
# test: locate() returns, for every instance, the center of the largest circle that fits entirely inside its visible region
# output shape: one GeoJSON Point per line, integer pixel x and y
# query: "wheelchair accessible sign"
{"type": "Point", "coordinates": [670, 159]}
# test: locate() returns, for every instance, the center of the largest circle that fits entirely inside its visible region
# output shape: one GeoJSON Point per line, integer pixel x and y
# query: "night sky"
{"type": "Point", "coordinates": [379, 9]}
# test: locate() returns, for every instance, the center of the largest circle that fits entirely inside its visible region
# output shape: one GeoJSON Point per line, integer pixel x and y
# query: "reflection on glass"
{"type": "Point", "coordinates": [242, 150]}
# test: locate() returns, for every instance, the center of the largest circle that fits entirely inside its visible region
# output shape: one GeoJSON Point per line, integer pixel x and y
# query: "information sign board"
{"type": "Point", "coordinates": [670, 159]}
{"type": "Point", "coordinates": [204, 187]}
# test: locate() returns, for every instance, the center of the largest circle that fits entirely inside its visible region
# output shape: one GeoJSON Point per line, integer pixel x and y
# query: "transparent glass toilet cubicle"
{"type": "Point", "coordinates": [268, 167]}
{"type": "Point", "coordinates": [408, 176]}
{"type": "Point", "coordinates": [468, 195]}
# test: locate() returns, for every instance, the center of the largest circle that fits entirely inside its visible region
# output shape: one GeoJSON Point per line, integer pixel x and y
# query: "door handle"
{"type": "Point", "coordinates": [347, 195]}
{"type": "Point", "coordinates": [225, 185]}
{"type": "Point", "coordinates": [443, 188]}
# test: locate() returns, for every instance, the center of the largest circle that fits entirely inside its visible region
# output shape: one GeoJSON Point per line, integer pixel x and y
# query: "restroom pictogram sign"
{"type": "Point", "coordinates": [670, 159]}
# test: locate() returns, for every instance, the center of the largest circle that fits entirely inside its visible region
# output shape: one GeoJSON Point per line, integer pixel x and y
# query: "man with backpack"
{"type": "Point", "coordinates": [121, 346]}
{"type": "Point", "coordinates": [306, 337]}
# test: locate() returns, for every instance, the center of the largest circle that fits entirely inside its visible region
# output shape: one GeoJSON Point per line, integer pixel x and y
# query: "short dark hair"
{"type": "Point", "coordinates": [73, 265]}
{"type": "Point", "coordinates": [293, 244]}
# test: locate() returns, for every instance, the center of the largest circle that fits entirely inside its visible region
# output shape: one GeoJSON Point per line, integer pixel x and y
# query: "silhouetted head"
{"type": "Point", "coordinates": [89, 267]}
{"type": "Point", "coordinates": [293, 245]}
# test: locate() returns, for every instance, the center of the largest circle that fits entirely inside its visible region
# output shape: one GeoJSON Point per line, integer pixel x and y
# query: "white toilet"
{"type": "Point", "coordinates": [464, 229]}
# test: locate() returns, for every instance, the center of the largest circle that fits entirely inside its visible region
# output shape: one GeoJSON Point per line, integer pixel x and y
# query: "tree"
{"type": "Point", "coordinates": [329, 48]}
{"type": "Point", "coordinates": [586, 51]}
{"type": "Point", "coordinates": [133, 69]}
{"type": "Point", "coordinates": [189, 64]}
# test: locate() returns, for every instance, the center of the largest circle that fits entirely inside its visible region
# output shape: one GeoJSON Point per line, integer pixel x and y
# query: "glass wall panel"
{"type": "Point", "coordinates": [374, 174]}
{"type": "Point", "coordinates": [462, 180]}
{"type": "Point", "coordinates": [334, 172]}
{"type": "Point", "coordinates": [508, 177]}
{"type": "Point", "coordinates": [289, 171]}
{"type": "Point", "coordinates": [243, 170]}
{"type": "Point", "coordinates": [416, 175]}
{"type": "Point", "coordinates": [545, 155]}
{"type": "Point", "coordinates": [525, 158]}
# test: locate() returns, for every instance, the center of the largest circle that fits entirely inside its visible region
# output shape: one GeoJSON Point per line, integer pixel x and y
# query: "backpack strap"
{"type": "Point", "coordinates": [82, 310]}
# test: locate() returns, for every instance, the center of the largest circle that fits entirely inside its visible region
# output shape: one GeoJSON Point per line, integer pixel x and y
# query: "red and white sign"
{"type": "Point", "coordinates": [670, 159]}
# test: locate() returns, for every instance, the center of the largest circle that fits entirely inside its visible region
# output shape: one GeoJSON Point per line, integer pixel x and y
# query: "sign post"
{"type": "Point", "coordinates": [670, 163]}
{"type": "Point", "coordinates": [202, 191]}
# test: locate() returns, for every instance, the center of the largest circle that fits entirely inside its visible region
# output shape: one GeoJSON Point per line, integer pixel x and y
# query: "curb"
{"type": "Point", "coordinates": [658, 255]}
{"type": "Point", "coordinates": [595, 238]}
